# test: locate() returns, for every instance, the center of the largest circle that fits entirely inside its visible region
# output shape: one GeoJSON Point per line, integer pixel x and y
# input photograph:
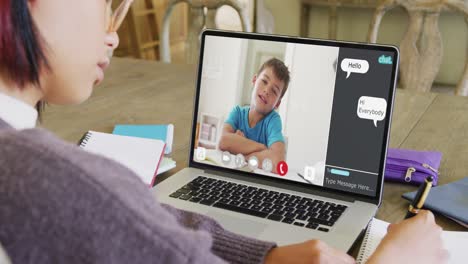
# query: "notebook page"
{"type": "Point", "coordinates": [376, 231]}
{"type": "Point", "coordinates": [454, 242]}
{"type": "Point", "coordinates": [166, 164]}
{"type": "Point", "coordinates": [140, 155]}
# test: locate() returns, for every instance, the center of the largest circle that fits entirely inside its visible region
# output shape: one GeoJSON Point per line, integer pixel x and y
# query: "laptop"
{"type": "Point", "coordinates": [289, 137]}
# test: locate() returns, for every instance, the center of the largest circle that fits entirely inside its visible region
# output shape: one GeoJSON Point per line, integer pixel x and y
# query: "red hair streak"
{"type": "Point", "coordinates": [21, 55]}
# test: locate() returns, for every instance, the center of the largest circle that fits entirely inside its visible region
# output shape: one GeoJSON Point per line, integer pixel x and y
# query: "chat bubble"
{"type": "Point", "coordinates": [353, 65]}
{"type": "Point", "coordinates": [372, 108]}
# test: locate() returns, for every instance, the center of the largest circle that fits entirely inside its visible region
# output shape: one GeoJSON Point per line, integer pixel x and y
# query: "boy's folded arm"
{"type": "Point", "coordinates": [236, 144]}
{"type": "Point", "coordinates": [275, 153]}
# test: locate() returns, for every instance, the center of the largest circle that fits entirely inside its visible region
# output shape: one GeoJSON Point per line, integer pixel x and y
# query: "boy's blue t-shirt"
{"type": "Point", "coordinates": [267, 131]}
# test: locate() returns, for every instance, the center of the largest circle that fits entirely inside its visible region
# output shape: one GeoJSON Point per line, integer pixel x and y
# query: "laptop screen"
{"type": "Point", "coordinates": [314, 112]}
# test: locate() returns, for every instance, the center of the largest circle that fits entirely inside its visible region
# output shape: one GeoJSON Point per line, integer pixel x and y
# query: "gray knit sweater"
{"type": "Point", "coordinates": [60, 204]}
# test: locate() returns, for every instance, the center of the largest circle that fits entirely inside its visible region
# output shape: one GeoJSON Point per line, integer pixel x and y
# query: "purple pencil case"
{"type": "Point", "coordinates": [411, 166]}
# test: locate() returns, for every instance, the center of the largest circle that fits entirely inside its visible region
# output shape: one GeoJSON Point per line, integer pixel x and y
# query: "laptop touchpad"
{"type": "Point", "coordinates": [238, 225]}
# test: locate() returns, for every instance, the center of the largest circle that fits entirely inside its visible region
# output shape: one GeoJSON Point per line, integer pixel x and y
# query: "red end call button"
{"type": "Point", "coordinates": [282, 168]}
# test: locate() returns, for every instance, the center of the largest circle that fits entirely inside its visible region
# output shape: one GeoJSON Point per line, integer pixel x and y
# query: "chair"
{"type": "Point", "coordinates": [199, 19]}
{"type": "Point", "coordinates": [141, 43]}
{"type": "Point", "coordinates": [421, 47]}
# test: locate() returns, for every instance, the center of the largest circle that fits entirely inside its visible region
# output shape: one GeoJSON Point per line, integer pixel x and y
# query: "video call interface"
{"type": "Point", "coordinates": [300, 112]}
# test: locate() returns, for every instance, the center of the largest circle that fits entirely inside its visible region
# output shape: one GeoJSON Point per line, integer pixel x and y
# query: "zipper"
{"type": "Point", "coordinates": [416, 166]}
{"type": "Point", "coordinates": [409, 173]}
{"type": "Point", "coordinates": [427, 166]}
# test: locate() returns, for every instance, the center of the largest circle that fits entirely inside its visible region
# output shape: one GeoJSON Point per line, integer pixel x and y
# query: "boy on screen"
{"type": "Point", "coordinates": [255, 130]}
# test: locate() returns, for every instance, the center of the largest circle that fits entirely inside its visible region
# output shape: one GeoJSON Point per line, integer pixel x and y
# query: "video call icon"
{"type": "Point", "coordinates": [239, 160]}
{"type": "Point", "coordinates": [267, 165]}
{"type": "Point", "coordinates": [200, 154]}
{"type": "Point", "coordinates": [282, 168]}
{"type": "Point", "coordinates": [226, 158]}
{"type": "Point", "coordinates": [253, 163]}
{"type": "Point", "coordinates": [309, 173]}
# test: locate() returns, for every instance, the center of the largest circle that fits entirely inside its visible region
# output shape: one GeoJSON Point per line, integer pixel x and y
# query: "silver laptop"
{"type": "Point", "coordinates": [289, 137]}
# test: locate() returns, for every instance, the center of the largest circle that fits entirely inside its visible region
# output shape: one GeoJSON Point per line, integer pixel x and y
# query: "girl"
{"type": "Point", "coordinates": [60, 204]}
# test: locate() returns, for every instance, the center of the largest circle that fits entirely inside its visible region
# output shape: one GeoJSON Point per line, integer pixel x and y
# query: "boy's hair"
{"type": "Point", "coordinates": [22, 54]}
{"type": "Point", "coordinates": [279, 69]}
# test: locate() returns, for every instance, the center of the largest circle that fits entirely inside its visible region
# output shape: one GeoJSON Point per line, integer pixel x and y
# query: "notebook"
{"type": "Point", "coordinates": [455, 242]}
{"type": "Point", "coordinates": [141, 155]}
{"type": "Point", "coordinates": [166, 165]}
{"type": "Point", "coordinates": [450, 200]}
{"type": "Point", "coordinates": [161, 132]}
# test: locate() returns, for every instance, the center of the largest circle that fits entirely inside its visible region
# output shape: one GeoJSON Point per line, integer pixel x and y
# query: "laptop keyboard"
{"type": "Point", "coordinates": [276, 206]}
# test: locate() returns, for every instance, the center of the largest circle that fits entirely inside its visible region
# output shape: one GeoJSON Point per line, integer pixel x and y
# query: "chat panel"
{"type": "Point", "coordinates": [360, 103]}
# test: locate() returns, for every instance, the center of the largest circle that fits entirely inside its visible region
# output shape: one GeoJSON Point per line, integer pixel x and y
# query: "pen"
{"type": "Point", "coordinates": [119, 15]}
{"type": "Point", "coordinates": [420, 197]}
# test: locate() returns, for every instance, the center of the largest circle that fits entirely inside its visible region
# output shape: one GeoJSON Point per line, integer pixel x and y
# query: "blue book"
{"type": "Point", "coordinates": [450, 200]}
{"type": "Point", "coordinates": [161, 132]}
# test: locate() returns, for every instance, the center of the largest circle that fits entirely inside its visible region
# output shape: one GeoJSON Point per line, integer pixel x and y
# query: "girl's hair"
{"type": "Point", "coordinates": [22, 56]}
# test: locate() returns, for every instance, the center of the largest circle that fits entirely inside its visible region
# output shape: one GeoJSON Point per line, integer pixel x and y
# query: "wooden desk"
{"type": "Point", "coordinates": [151, 92]}
{"type": "Point", "coordinates": [134, 92]}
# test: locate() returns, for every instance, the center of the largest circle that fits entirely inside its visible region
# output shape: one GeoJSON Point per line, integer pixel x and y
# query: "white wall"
{"type": "Point", "coordinates": [306, 111]}
{"type": "Point", "coordinates": [228, 68]}
{"type": "Point", "coordinates": [221, 75]}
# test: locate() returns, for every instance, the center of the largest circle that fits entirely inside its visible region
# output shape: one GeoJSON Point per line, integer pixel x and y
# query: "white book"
{"type": "Point", "coordinates": [141, 155]}
{"type": "Point", "coordinates": [454, 242]}
{"type": "Point", "coordinates": [166, 165]}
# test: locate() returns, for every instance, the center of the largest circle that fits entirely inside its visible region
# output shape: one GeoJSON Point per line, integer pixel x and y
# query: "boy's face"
{"type": "Point", "coordinates": [266, 94]}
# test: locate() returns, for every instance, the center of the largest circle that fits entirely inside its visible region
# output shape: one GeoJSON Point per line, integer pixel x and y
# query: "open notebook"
{"type": "Point", "coordinates": [141, 155]}
{"type": "Point", "coordinates": [455, 242]}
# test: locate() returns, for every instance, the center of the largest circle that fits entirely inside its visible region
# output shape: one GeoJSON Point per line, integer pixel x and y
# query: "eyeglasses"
{"type": "Point", "coordinates": [115, 18]}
